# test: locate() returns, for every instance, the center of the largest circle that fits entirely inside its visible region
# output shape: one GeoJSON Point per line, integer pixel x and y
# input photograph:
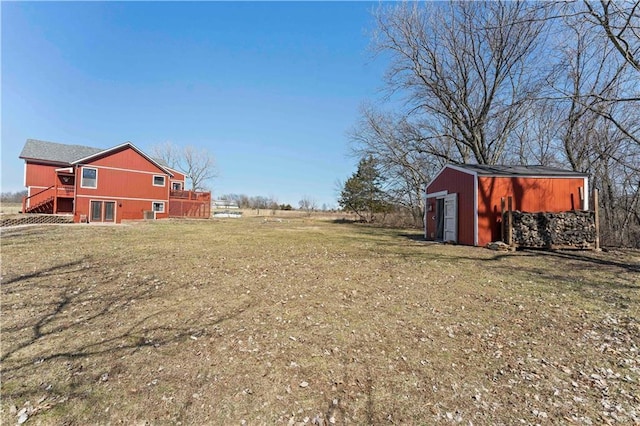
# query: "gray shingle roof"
{"type": "Point", "coordinates": [499, 170]}
{"type": "Point", "coordinates": [56, 152]}
{"type": "Point", "coordinates": [65, 154]}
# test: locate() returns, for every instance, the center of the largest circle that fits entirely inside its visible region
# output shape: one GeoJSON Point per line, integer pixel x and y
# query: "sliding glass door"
{"type": "Point", "coordinates": [103, 211]}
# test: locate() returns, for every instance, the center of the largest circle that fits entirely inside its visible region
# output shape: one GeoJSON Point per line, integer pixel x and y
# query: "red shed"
{"type": "Point", "coordinates": [463, 202]}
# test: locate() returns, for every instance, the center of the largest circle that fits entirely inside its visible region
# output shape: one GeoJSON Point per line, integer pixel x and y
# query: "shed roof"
{"type": "Point", "coordinates": [502, 170]}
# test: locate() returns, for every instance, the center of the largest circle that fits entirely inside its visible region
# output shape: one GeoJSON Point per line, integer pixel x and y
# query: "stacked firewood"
{"type": "Point", "coordinates": [554, 230]}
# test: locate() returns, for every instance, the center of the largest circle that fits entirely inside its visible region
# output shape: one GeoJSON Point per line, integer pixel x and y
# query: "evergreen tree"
{"type": "Point", "coordinates": [362, 192]}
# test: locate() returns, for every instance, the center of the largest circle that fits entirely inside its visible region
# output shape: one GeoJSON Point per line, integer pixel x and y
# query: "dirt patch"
{"type": "Point", "coordinates": [303, 321]}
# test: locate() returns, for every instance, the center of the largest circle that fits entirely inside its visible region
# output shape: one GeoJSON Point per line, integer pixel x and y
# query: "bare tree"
{"type": "Point", "coordinates": [493, 82]}
{"type": "Point", "coordinates": [620, 22]}
{"type": "Point", "coordinates": [308, 205]}
{"type": "Point", "coordinates": [589, 77]}
{"type": "Point", "coordinates": [198, 165]}
{"type": "Point", "coordinates": [391, 139]}
{"type": "Point", "coordinates": [169, 153]}
{"type": "Point", "coordinates": [12, 197]}
{"type": "Point", "coordinates": [615, 28]}
{"type": "Point", "coordinates": [536, 139]}
{"type": "Point", "coordinates": [588, 120]}
{"type": "Point", "coordinates": [466, 69]}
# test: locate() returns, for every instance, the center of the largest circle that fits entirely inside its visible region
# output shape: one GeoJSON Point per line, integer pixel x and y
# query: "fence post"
{"type": "Point", "coordinates": [581, 195]}
{"type": "Point", "coordinates": [502, 227]}
{"type": "Point", "coordinates": [55, 192]}
{"type": "Point", "coordinates": [596, 214]}
{"type": "Point", "coordinates": [510, 221]}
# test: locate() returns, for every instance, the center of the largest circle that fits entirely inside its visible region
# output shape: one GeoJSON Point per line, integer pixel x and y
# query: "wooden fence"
{"type": "Point", "coordinates": [197, 209]}
{"type": "Point", "coordinates": [191, 204]}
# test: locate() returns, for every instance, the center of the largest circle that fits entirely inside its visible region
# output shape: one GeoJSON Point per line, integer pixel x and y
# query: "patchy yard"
{"type": "Point", "coordinates": [301, 321]}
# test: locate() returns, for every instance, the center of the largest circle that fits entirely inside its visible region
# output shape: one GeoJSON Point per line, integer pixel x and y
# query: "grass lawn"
{"type": "Point", "coordinates": [10, 208]}
{"type": "Point", "coordinates": [257, 321]}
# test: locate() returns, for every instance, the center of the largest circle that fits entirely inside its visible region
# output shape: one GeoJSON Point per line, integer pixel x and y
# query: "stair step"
{"type": "Point", "coordinates": [45, 206]}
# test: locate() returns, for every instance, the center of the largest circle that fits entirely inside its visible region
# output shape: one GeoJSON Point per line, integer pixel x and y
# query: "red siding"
{"type": "Point", "coordinates": [529, 194]}
{"type": "Point", "coordinates": [125, 183]}
{"type": "Point", "coordinates": [40, 175]}
{"type": "Point", "coordinates": [125, 177]}
{"type": "Point", "coordinates": [454, 181]}
{"type": "Point", "coordinates": [125, 209]}
{"type": "Point", "coordinates": [178, 177]}
{"type": "Point", "coordinates": [127, 158]}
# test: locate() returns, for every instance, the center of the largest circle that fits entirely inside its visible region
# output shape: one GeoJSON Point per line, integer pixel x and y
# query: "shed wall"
{"type": "Point", "coordinates": [530, 194]}
{"type": "Point", "coordinates": [453, 181]}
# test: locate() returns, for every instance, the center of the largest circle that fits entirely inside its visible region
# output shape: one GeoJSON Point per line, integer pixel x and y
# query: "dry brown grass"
{"type": "Point", "coordinates": [298, 214]}
{"type": "Point", "coordinates": [300, 320]}
{"type": "Point", "coordinates": [10, 208]}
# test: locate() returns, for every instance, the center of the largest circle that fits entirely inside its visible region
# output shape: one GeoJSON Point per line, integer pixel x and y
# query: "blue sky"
{"type": "Point", "coordinates": [269, 88]}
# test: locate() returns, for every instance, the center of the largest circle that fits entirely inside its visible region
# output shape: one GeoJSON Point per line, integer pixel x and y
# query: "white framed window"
{"type": "Point", "coordinates": [176, 186]}
{"type": "Point", "coordinates": [157, 206]}
{"type": "Point", "coordinates": [89, 178]}
{"type": "Point", "coordinates": [158, 180]}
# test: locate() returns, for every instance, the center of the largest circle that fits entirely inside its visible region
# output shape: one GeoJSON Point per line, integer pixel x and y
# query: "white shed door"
{"type": "Point", "coordinates": [451, 218]}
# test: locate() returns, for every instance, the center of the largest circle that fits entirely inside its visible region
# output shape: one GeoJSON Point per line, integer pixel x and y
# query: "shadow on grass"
{"type": "Point", "coordinates": [415, 236]}
{"type": "Point", "coordinates": [568, 270]}
{"type": "Point", "coordinates": [362, 227]}
{"type": "Point", "coordinates": [591, 261]}
{"type": "Point", "coordinates": [41, 273]}
{"type": "Point", "coordinates": [344, 221]}
{"type": "Point", "coordinates": [48, 315]}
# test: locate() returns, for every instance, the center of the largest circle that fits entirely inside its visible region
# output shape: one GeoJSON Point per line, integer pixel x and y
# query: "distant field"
{"type": "Point", "coordinates": [290, 214]}
{"type": "Point", "coordinates": [10, 208]}
{"type": "Point", "coordinates": [304, 320]}
{"type": "Point", "coordinates": [14, 208]}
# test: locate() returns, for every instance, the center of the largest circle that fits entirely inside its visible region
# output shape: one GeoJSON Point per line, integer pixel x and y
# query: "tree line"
{"type": "Point", "coordinates": [555, 84]}
{"type": "Point", "coordinates": [12, 197]}
{"type": "Point", "coordinates": [255, 202]}
{"type": "Point", "coordinates": [243, 201]}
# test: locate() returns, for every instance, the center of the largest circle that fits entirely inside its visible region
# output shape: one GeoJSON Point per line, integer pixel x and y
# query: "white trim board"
{"type": "Point", "coordinates": [437, 194]}
{"type": "Point", "coordinates": [123, 170]}
{"type": "Point", "coordinates": [109, 197]}
{"type": "Point", "coordinates": [586, 194]}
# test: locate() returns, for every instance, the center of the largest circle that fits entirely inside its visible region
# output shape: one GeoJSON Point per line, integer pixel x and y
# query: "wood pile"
{"type": "Point", "coordinates": [573, 229]}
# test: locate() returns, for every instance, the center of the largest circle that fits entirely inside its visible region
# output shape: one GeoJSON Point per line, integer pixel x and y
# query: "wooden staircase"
{"type": "Point", "coordinates": [45, 207]}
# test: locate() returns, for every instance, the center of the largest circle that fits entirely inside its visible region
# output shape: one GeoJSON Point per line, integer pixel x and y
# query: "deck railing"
{"type": "Point", "coordinates": [191, 204]}
{"type": "Point", "coordinates": [190, 195]}
{"type": "Point", "coordinates": [51, 192]}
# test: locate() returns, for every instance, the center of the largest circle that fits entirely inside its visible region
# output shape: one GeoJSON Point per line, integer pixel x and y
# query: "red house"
{"type": "Point", "coordinates": [463, 202]}
{"type": "Point", "coordinates": [104, 185]}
